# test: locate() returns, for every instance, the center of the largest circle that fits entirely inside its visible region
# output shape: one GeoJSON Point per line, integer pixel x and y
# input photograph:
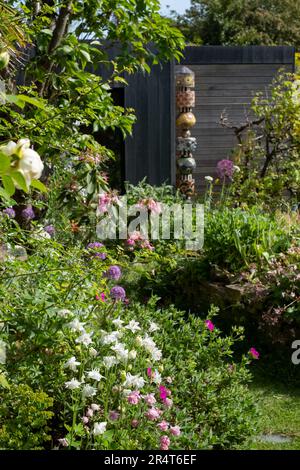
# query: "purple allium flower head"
{"type": "Point", "coordinates": [100, 255]}
{"type": "Point", "coordinates": [50, 229]}
{"type": "Point", "coordinates": [28, 213]}
{"type": "Point", "coordinates": [118, 293]}
{"type": "Point", "coordinates": [114, 273]}
{"type": "Point", "coordinates": [10, 212]}
{"type": "Point", "coordinates": [225, 168]}
{"type": "Point", "coordinates": [92, 246]}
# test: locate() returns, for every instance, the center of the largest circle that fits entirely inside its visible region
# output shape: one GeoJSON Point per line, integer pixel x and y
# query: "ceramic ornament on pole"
{"type": "Point", "coordinates": [185, 144]}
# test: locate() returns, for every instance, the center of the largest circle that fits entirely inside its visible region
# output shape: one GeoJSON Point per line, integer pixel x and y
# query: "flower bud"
{"type": "Point", "coordinates": [4, 59]}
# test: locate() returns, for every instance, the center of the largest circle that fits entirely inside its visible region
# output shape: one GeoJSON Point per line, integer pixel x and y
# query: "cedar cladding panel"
{"type": "Point", "coordinates": [230, 88]}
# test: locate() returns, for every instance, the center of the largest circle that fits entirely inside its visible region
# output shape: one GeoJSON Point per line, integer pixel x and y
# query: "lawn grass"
{"type": "Point", "coordinates": [278, 400]}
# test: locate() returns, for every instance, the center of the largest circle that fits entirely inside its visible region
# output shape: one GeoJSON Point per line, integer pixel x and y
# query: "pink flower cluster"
{"type": "Point", "coordinates": [137, 240]}
{"type": "Point", "coordinates": [255, 354]}
{"type": "Point", "coordinates": [105, 201]}
{"type": "Point", "coordinates": [134, 398]}
{"type": "Point", "coordinates": [150, 204]}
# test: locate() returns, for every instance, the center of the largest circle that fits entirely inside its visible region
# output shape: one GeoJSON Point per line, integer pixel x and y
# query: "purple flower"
{"type": "Point", "coordinates": [118, 293]}
{"type": "Point", "coordinates": [225, 168]}
{"type": "Point", "coordinates": [28, 213]}
{"type": "Point", "coordinates": [50, 229]}
{"type": "Point", "coordinates": [92, 246]}
{"type": "Point", "coordinates": [10, 212]}
{"type": "Point", "coordinates": [114, 273]}
{"type": "Point", "coordinates": [100, 255]}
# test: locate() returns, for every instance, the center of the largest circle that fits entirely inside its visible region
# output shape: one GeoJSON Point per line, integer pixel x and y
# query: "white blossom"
{"type": "Point", "coordinates": [133, 326]}
{"type": "Point", "coordinates": [95, 375]}
{"type": "Point", "coordinates": [64, 312]}
{"type": "Point", "coordinates": [132, 354]}
{"type": "Point", "coordinates": [85, 339]}
{"type": "Point", "coordinates": [118, 322]}
{"type": "Point", "coordinates": [208, 178]}
{"type": "Point", "coordinates": [30, 164]}
{"type": "Point", "coordinates": [135, 381]}
{"type": "Point", "coordinates": [111, 338]}
{"type": "Point", "coordinates": [120, 351]}
{"type": "Point", "coordinates": [72, 384]}
{"type": "Point", "coordinates": [156, 377]}
{"type": "Point", "coordinates": [76, 325]}
{"type": "Point", "coordinates": [109, 361]}
{"type": "Point", "coordinates": [156, 354]}
{"type": "Point", "coordinates": [93, 352]}
{"type": "Point", "coordinates": [88, 391]}
{"type": "Point", "coordinates": [153, 327]}
{"type": "Point", "coordinates": [72, 364]}
{"type": "Point", "coordinates": [99, 428]}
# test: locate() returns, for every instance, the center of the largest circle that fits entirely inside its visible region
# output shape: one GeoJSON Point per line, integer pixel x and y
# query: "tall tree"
{"type": "Point", "coordinates": [241, 22]}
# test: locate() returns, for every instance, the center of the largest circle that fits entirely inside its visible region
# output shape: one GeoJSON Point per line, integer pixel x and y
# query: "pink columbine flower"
{"type": "Point", "coordinates": [168, 403]}
{"type": "Point", "coordinates": [254, 353]}
{"type": "Point", "coordinates": [153, 414]}
{"type": "Point", "coordinates": [150, 399]}
{"type": "Point", "coordinates": [175, 430]}
{"type": "Point", "coordinates": [134, 423]}
{"type": "Point", "coordinates": [163, 426]}
{"type": "Point", "coordinates": [163, 392]}
{"type": "Point", "coordinates": [164, 443]}
{"type": "Point", "coordinates": [63, 442]}
{"type": "Point", "coordinates": [134, 397]}
{"type": "Point", "coordinates": [90, 413]}
{"type": "Point", "coordinates": [149, 372]}
{"type": "Point", "coordinates": [85, 420]}
{"type": "Point", "coordinates": [114, 415]}
{"type": "Point", "coordinates": [210, 325]}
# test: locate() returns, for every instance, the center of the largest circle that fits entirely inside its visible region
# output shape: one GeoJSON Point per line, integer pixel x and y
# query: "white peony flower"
{"type": "Point", "coordinates": [72, 364]}
{"type": "Point", "coordinates": [95, 375]}
{"type": "Point", "coordinates": [99, 428]}
{"type": "Point", "coordinates": [88, 391]}
{"type": "Point", "coordinates": [30, 164]}
{"type": "Point", "coordinates": [72, 384]}
{"type": "Point", "coordinates": [133, 326]}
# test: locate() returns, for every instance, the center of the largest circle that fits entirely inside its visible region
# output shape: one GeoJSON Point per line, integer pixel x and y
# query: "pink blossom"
{"type": "Point", "coordinates": [169, 380]}
{"type": "Point", "coordinates": [152, 414]}
{"type": "Point", "coordinates": [114, 415]}
{"type": "Point", "coordinates": [90, 413]}
{"type": "Point", "coordinates": [134, 397]}
{"type": "Point", "coordinates": [164, 443]}
{"type": "Point", "coordinates": [63, 442]}
{"type": "Point", "coordinates": [130, 242]}
{"type": "Point", "coordinates": [134, 423]}
{"type": "Point", "coordinates": [150, 399]}
{"type": "Point", "coordinates": [100, 297]}
{"type": "Point", "coordinates": [168, 403]}
{"type": "Point", "coordinates": [163, 426]}
{"type": "Point", "coordinates": [254, 353]}
{"type": "Point", "coordinates": [85, 420]}
{"type": "Point", "coordinates": [163, 392]}
{"type": "Point", "coordinates": [175, 430]}
{"type": "Point", "coordinates": [210, 325]}
{"type": "Point", "coordinates": [149, 372]}
{"type": "Point", "coordinates": [95, 407]}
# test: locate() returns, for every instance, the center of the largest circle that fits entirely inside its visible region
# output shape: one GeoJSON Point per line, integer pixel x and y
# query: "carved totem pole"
{"type": "Point", "coordinates": [186, 145]}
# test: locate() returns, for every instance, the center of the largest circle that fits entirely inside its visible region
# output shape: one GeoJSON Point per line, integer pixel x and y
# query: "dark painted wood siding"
{"type": "Point", "coordinates": [226, 80]}
{"type": "Point", "coordinates": [150, 151]}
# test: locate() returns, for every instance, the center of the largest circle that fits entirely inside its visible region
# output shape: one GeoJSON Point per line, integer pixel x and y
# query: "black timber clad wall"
{"type": "Point", "coordinates": [226, 79]}
{"type": "Point", "coordinates": [150, 151]}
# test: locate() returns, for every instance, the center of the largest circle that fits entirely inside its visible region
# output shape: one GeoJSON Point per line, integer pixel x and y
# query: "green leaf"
{"type": "Point", "coordinates": [20, 180]}
{"type": "Point", "coordinates": [4, 162]}
{"type": "Point", "coordinates": [3, 381]}
{"type": "Point", "coordinates": [8, 185]}
{"type": "Point", "coordinates": [86, 55]}
{"type": "Point", "coordinates": [34, 101]}
{"type": "Point", "coordinates": [39, 185]}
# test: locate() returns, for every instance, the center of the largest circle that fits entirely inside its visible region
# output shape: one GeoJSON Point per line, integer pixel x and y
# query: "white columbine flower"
{"type": "Point", "coordinates": [156, 354]}
{"type": "Point", "coordinates": [93, 352]}
{"type": "Point", "coordinates": [111, 338]}
{"type": "Point", "coordinates": [88, 391]}
{"type": "Point", "coordinates": [208, 178]}
{"type": "Point", "coordinates": [76, 325]}
{"type": "Point", "coordinates": [132, 354]}
{"type": "Point", "coordinates": [85, 339]}
{"type": "Point", "coordinates": [109, 361]}
{"type": "Point", "coordinates": [72, 364]}
{"type": "Point", "coordinates": [64, 312]}
{"type": "Point", "coordinates": [133, 326]}
{"type": "Point", "coordinates": [156, 377]}
{"type": "Point", "coordinates": [135, 381]}
{"type": "Point", "coordinates": [95, 375]}
{"type": "Point", "coordinates": [153, 327]}
{"type": "Point", "coordinates": [120, 351]}
{"type": "Point", "coordinates": [118, 322]}
{"type": "Point", "coordinates": [72, 384]}
{"type": "Point", "coordinates": [99, 428]}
